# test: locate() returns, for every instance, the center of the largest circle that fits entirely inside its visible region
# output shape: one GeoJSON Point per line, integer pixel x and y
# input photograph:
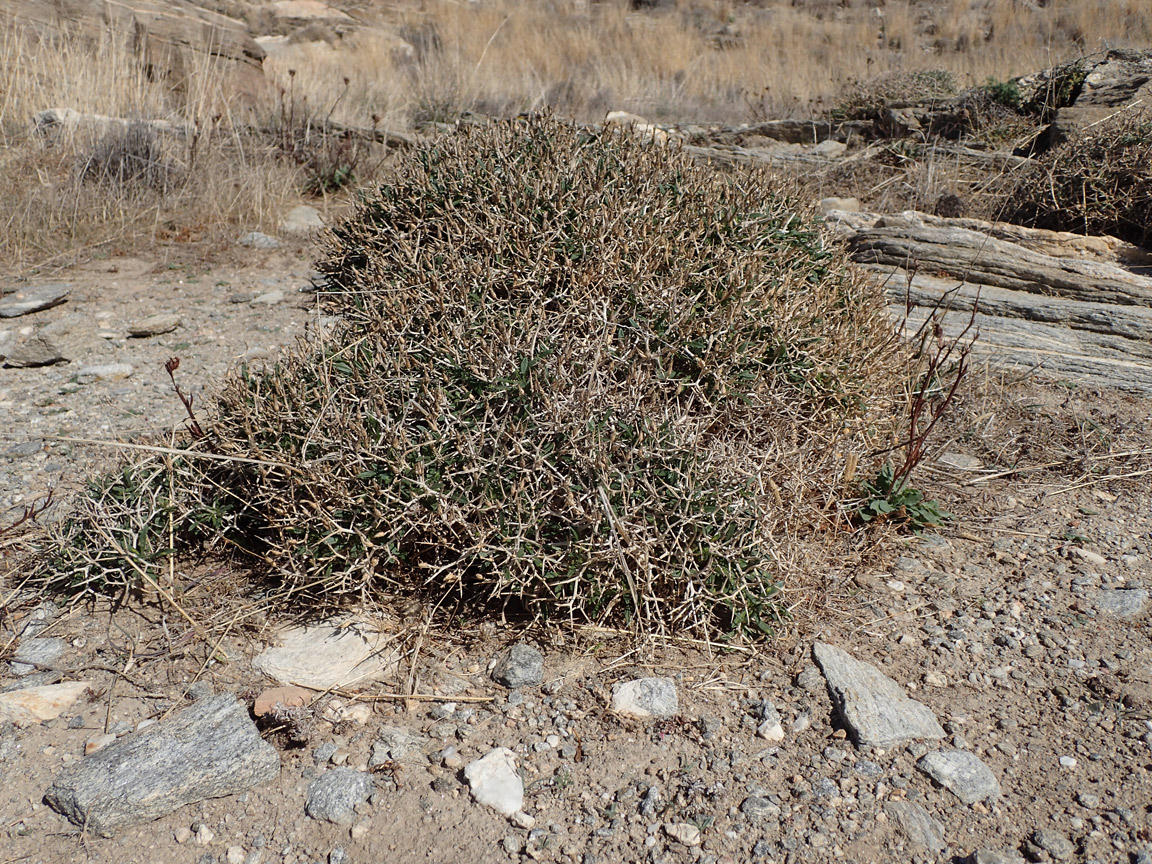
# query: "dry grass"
{"type": "Point", "coordinates": [185, 167]}
{"type": "Point", "coordinates": [700, 61]}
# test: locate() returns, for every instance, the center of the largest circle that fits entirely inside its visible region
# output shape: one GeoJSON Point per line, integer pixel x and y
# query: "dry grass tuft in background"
{"type": "Point", "coordinates": [226, 169]}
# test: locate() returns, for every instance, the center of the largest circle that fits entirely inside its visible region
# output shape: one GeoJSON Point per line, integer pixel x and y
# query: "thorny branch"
{"type": "Point", "coordinates": [31, 511]}
{"type": "Point", "coordinates": [193, 426]}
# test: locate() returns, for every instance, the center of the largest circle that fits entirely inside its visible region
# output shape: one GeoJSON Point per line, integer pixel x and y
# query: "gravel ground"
{"type": "Point", "coordinates": [1023, 627]}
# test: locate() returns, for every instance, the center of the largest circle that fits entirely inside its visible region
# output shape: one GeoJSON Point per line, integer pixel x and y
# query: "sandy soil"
{"type": "Point", "coordinates": [1000, 624]}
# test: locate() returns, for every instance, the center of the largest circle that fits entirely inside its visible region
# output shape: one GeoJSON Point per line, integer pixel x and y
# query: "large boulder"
{"type": "Point", "coordinates": [1078, 95]}
{"type": "Point", "coordinates": [1080, 307]}
{"type": "Point", "coordinates": [172, 38]}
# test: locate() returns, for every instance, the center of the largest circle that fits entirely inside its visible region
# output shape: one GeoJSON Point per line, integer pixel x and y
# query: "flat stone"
{"type": "Point", "coordinates": [1054, 843]}
{"type": "Point", "coordinates": [916, 823]}
{"type": "Point", "coordinates": [961, 461]}
{"type": "Point", "coordinates": [333, 796]}
{"type": "Point", "coordinates": [831, 203]}
{"type": "Point", "coordinates": [992, 856]}
{"type": "Point", "coordinates": [259, 240]}
{"type": "Point", "coordinates": [32, 653]}
{"type": "Point", "coordinates": [521, 666]}
{"type": "Point", "coordinates": [32, 705]}
{"type": "Point", "coordinates": [646, 697]}
{"type": "Point", "coordinates": [301, 221]}
{"type": "Point", "coordinates": [77, 335]}
{"type": "Point", "coordinates": [756, 808]}
{"type": "Point", "coordinates": [105, 372]}
{"type": "Point", "coordinates": [1126, 603]}
{"type": "Point", "coordinates": [25, 301]}
{"type": "Point", "coordinates": [875, 708]}
{"type": "Point", "coordinates": [36, 350]}
{"type": "Point", "coordinates": [154, 325]}
{"type": "Point", "coordinates": [25, 449]}
{"type": "Point", "coordinates": [495, 781]}
{"type": "Point", "coordinates": [1087, 556]}
{"type": "Point", "coordinates": [208, 750]}
{"type": "Point", "coordinates": [830, 148]}
{"type": "Point", "coordinates": [963, 774]}
{"type": "Point", "coordinates": [327, 656]}
{"type": "Point", "coordinates": [684, 833]}
{"type": "Point", "coordinates": [268, 298]}
{"type": "Point", "coordinates": [279, 698]}
{"type": "Point", "coordinates": [33, 679]}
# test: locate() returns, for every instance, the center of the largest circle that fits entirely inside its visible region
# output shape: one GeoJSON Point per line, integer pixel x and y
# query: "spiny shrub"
{"type": "Point", "coordinates": [869, 99]}
{"type": "Point", "coordinates": [1099, 182]}
{"type": "Point", "coordinates": [573, 375]}
{"type": "Point", "coordinates": [1054, 89]}
{"type": "Point", "coordinates": [1005, 93]}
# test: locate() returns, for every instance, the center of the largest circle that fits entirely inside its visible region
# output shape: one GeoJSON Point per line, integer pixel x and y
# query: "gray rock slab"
{"type": "Point", "coordinates": [268, 298]}
{"type": "Point", "coordinates": [1126, 603]}
{"type": "Point", "coordinates": [330, 654]}
{"type": "Point", "coordinates": [876, 710]}
{"type": "Point", "coordinates": [28, 300]}
{"type": "Point", "coordinates": [25, 449]}
{"type": "Point", "coordinates": [521, 666]}
{"type": "Point", "coordinates": [646, 697]}
{"type": "Point", "coordinates": [154, 325]}
{"type": "Point", "coordinates": [77, 335]}
{"type": "Point", "coordinates": [208, 750]}
{"type": "Point", "coordinates": [32, 653]}
{"type": "Point", "coordinates": [917, 824]}
{"type": "Point", "coordinates": [961, 773]}
{"type": "Point", "coordinates": [301, 221]}
{"type": "Point", "coordinates": [333, 796]}
{"type": "Point", "coordinates": [1054, 843]}
{"type": "Point", "coordinates": [36, 350]}
{"type": "Point", "coordinates": [259, 240]}
{"type": "Point", "coordinates": [104, 372]}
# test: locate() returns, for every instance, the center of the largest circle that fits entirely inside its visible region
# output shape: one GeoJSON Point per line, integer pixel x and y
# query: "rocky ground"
{"type": "Point", "coordinates": [1020, 633]}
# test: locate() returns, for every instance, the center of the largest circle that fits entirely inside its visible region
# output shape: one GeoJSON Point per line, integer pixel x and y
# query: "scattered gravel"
{"type": "Point", "coordinates": [1014, 644]}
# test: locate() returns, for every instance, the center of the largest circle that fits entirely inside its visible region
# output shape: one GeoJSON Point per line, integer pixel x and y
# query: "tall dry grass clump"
{"type": "Point", "coordinates": [689, 62]}
{"type": "Point", "coordinates": [135, 163]}
{"type": "Point", "coordinates": [573, 375]}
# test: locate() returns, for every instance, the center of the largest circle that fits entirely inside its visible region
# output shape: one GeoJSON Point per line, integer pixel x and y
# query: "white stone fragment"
{"type": "Point", "coordinates": [495, 781]}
